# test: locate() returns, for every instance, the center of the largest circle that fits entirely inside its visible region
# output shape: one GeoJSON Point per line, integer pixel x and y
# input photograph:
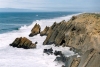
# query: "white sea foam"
{"type": "Point", "coordinates": [18, 57]}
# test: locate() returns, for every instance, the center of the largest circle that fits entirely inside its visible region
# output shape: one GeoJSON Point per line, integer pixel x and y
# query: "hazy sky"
{"type": "Point", "coordinates": [53, 5]}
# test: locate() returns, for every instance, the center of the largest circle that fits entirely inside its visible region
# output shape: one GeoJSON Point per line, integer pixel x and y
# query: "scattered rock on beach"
{"type": "Point", "coordinates": [57, 53]}
{"type": "Point", "coordinates": [48, 51]}
{"type": "Point", "coordinates": [35, 30]}
{"type": "Point", "coordinates": [23, 42]}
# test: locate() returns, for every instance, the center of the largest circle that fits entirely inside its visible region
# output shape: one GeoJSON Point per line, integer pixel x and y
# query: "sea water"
{"type": "Point", "coordinates": [13, 25]}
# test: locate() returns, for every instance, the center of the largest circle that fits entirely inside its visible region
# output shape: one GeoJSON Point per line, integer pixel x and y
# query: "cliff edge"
{"type": "Point", "coordinates": [82, 34]}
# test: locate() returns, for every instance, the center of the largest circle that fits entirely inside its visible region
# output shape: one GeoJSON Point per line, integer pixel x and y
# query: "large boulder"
{"type": "Point", "coordinates": [23, 43]}
{"type": "Point", "coordinates": [35, 30]}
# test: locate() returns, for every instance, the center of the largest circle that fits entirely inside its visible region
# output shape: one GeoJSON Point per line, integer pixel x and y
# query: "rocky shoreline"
{"type": "Point", "coordinates": [81, 33]}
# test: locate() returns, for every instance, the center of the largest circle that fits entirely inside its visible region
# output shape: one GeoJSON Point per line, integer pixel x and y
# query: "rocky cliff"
{"type": "Point", "coordinates": [82, 34]}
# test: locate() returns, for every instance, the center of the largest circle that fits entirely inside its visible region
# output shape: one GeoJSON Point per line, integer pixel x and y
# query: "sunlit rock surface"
{"type": "Point", "coordinates": [82, 33]}
{"type": "Point", "coordinates": [35, 30]}
{"type": "Point", "coordinates": [23, 43]}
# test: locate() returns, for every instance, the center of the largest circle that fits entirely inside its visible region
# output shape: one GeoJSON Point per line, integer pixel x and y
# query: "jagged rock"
{"type": "Point", "coordinates": [48, 51]}
{"type": "Point", "coordinates": [81, 32]}
{"type": "Point", "coordinates": [91, 58]}
{"type": "Point", "coordinates": [57, 53]}
{"type": "Point", "coordinates": [51, 34]}
{"type": "Point", "coordinates": [35, 30]}
{"type": "Point", "coordinates": [72, 61]}
{"type": "Point", "coordinates": [44, 32]}
{"type": "Point", "coordinates": [69, 61]}
{"type": "Point", "coordinates": [61, 58]}
{"type": "Point", "coordinates": [23, 43]}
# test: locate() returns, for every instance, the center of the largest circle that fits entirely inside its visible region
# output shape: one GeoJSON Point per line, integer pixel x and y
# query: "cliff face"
{"type": "Point", "coordinates": [81, 32]}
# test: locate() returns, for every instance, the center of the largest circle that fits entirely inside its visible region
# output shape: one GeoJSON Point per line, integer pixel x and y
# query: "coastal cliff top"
{"type": "Point", "coordinates": [89, 21]}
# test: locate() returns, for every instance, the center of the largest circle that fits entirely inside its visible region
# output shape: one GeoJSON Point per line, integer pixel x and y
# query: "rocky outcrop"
{"type": "Point", "coordinates": [72, 61]}
{"type": "Point", "coordinates": [81, 32]}
{"type": "Point", "coordinates": [51, 34]}
{"type": "Point", "coordinates": [35, 30]}
{"type": "Point", "coordinates": [44, 32]}
{"type": "Point", "coordinates": [23, 43]}
{"type": "Point", "coordinates": [90, 58]}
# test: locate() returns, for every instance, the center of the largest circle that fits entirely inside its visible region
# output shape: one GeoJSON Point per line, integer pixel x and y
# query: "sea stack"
{"type": "Point", "coordinates": [44, 32]}
{"type": "Point", "coordinates": [35, 30]}
{"type": "Point", "coordinates": [23, 42]}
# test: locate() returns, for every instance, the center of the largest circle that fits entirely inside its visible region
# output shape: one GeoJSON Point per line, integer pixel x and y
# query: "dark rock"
{"type": "Point", "coordinates": [36, 42]}
{"type": "Point", "coordinates": [35, 30]}
{"type": "Point", "coordinates": [57, 53]}
{"type": "Point", "coordinates": [62, 42]}
{"type": "Point", "coordinates": [58, 59]}
{"type": "Point", "coordinates": [23, 43]}
{"type": "Point", "coordinates": [63, 66]}
{"type": "Point", "coordinates": [61, 58]}
{"type": "Point", "coordinates": [48, 51]}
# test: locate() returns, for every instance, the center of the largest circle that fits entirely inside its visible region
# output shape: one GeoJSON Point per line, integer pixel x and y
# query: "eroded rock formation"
{"type": "Point", "coordinates": [44, 32]}
{"type": "Point", "coordinates": [35, 30]}
{"type": "Point", "coordinates": [82, 34]}
{"type": "Point", "coordinates": [23, 43]}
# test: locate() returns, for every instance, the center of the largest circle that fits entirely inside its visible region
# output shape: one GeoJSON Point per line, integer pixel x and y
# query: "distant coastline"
{"type": "Point", "coordinates": [29, 10]}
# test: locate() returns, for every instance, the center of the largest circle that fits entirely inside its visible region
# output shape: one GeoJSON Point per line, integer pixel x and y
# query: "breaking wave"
{"type": "Point", "coordinates": [15, 57]}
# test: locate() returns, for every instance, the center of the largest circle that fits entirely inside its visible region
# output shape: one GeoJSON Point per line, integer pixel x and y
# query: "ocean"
{"type": "Point", "coordinates": [14, 20]}
{"type": "Point", "coordinates": [19, 24]}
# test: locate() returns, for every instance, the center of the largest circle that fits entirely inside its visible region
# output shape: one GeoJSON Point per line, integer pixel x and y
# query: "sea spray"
{"type": "Point", "coordinates": [18, 57]}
